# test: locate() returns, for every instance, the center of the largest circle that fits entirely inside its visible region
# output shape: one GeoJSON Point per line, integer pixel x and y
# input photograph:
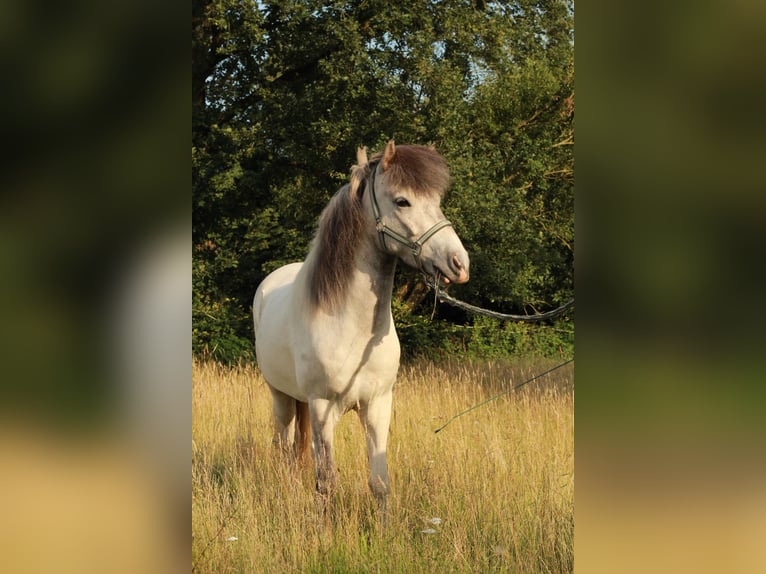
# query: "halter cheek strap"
{"type": "Point", "coordinates": [383, 230]}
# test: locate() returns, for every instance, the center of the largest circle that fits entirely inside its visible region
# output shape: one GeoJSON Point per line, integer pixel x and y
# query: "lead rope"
{"type": "Point", "coordinates": [440, 295]}
{"type": "Point", "coordinates": [445, 298]}
{"type": "Point", "coordinates": [503, 393]}
{"type": "Point", "coordinates": [437, 276]}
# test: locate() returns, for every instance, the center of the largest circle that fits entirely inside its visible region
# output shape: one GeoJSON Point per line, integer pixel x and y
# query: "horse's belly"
{"type": "Point", "coordinates": [277, 365]}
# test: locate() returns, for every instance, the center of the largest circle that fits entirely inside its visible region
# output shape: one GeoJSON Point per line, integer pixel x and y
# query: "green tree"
{"type": "Point", "coordinates": [283, 93]}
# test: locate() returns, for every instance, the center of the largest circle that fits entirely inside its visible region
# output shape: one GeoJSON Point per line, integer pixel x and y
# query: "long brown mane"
{"type": "Point", "coordinates": [340, 231]}
{"type": "Point", "coordinates": [341, 225]}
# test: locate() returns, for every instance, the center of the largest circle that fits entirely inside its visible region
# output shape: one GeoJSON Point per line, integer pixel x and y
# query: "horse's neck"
{"type": "Point", "coordinates": [372, 282]}
{"type": "Point", "coordinates": [366, 303]}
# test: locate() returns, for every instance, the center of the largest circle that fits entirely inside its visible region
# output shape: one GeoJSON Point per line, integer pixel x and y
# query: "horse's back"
{"type": "Point", "coordinates": [272, 305]}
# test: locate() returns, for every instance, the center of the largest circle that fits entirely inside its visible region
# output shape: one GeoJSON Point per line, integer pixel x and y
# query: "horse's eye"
{"type": "Point", "coordinates": [401, 202]}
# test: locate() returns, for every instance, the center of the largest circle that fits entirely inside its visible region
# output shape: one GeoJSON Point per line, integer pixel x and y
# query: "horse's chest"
{"type": "Point", "coordinates": [353, 370]}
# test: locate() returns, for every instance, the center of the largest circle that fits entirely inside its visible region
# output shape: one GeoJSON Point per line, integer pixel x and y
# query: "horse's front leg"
{"type": "Point", "coordinates": [324, 416]}
{"type": "Point", "coordinates": [376, 417]}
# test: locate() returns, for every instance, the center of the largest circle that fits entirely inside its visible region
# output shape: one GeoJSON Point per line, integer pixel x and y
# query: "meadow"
{"type": "Point", "coordinates": [491, 492]}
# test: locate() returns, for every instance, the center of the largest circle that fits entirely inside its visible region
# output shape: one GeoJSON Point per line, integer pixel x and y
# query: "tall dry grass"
{"type": "Point", "coordinates": [493, 491]}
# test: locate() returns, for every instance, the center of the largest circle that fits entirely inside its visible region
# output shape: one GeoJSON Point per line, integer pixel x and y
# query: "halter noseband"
{"type": "Point", "coordinates": [383, 230]}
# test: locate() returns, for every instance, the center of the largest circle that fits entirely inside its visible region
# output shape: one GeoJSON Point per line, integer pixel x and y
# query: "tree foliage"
{"type": "Point", "coordinates": [284, 91]}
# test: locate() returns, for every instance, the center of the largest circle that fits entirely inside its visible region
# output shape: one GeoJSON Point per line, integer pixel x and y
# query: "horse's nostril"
{"type": "Point", "coordinates": [460, 269]}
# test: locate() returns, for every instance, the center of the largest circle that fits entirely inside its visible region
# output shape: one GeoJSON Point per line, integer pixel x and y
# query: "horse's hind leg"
{"type": "Point", "coordinates": [284, 420]}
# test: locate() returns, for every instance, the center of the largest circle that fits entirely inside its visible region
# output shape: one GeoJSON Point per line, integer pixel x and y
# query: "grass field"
{"type": "Point", "coordinates": [493, 491]}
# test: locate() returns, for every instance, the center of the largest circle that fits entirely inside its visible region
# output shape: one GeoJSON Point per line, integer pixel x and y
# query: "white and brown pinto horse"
{"type": "Point", "coordinates": [324, 333]}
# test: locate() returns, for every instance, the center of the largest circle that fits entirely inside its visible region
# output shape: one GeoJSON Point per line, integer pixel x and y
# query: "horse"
{"type": "Point", "coordinates": [325, 339]}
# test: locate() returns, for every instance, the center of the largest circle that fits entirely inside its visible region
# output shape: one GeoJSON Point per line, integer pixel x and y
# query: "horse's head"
{"type": "Point", "coordinates": [406, 184]}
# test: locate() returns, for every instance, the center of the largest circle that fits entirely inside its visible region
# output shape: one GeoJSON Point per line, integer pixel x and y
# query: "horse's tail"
{"type": "Point", "coordinates": [302, 430]}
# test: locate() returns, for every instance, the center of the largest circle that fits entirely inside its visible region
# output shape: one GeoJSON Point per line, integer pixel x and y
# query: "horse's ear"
{"type": "Point", "coordinates": [388, 153]}
{"type": "Point", "coordinates": [357, 172]}
{"type": "Point", "coordinates": [361, 155]}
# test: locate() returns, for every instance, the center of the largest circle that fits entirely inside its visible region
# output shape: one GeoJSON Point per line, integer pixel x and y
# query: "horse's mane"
{"type": "Point", "coordinates": [418, 168]}
{"type": "Point", "coordinates": [341, 225]}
